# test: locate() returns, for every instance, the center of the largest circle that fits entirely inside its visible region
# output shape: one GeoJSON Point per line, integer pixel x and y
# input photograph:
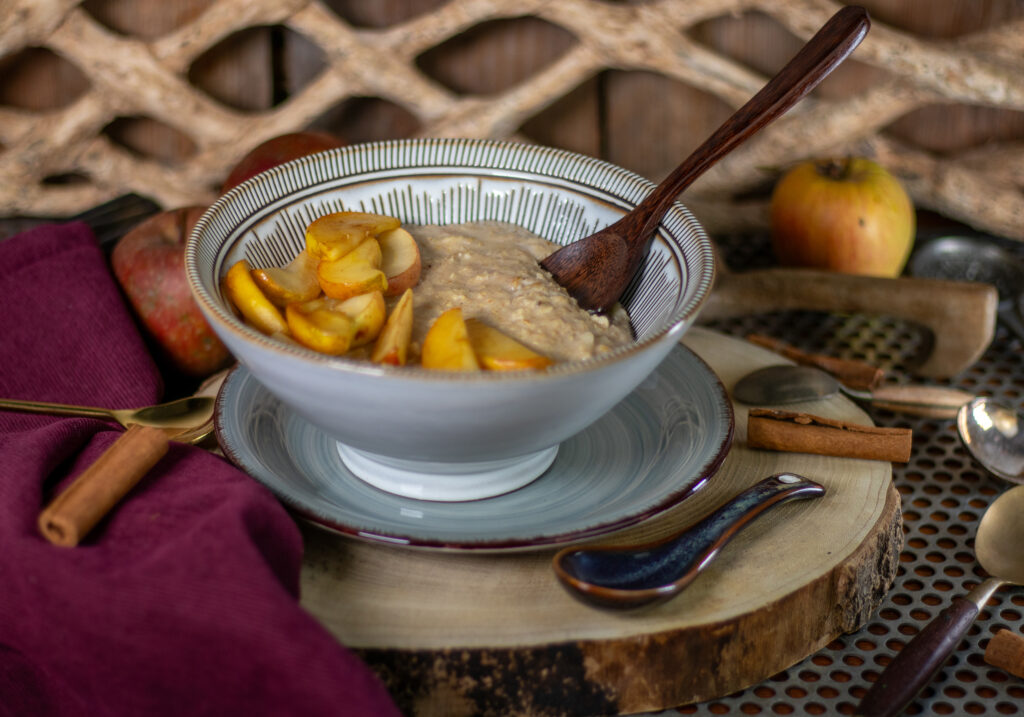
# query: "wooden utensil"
{"type": "Point", "coordinates": [960, 315]}
{"type": "Point", "coordinates": [596, 269]}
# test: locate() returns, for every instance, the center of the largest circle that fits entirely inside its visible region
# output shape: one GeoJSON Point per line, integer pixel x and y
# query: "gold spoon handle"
{"type": "Point", "coordinates": [54, 409]}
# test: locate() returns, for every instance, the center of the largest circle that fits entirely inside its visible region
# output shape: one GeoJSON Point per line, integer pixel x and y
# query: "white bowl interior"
{"type": "Point", "coordinates": [558, 195]}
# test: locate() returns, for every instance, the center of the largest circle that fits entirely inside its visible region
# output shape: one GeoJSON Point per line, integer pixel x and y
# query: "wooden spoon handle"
{"type": "Point", "coordinates": [823, 53]}
{"type": "Point", "coordinates": [927, 401]}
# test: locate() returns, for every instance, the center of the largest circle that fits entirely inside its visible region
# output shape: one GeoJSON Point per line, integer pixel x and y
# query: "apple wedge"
{"type": "Point", "coordinates": [392, 346]}
{"type": "Point", "coordinates": [401, 260]}
{"type": "Point", "coordinates": [320, 325]}
{"type": "Point", "coordinates": [497, 351]}
{"type": "Point", "coordinates": [332, 236]}
{"type": "Point", "coordinates": [296, 282]}
{"type": "Point", "coordinates": [353, 274]}
{"type": "Point", "coordinates": [254, 306]}
{"type": "Point", "coordinates": [368, 312]}
{"type": "Point", "coordinates": [446, 346]}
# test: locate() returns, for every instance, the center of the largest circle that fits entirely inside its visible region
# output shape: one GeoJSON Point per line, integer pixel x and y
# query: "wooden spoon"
{"type": "Point", "coordinates": [597, 269]}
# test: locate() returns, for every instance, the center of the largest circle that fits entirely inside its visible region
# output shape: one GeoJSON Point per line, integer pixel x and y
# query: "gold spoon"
{"type": "Point", "coordinates": [184, 419]}
{"type": "Point", "coordinates": [997, 545]}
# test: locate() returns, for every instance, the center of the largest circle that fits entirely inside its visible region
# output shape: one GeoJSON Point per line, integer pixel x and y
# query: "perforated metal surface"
{"type": "Point", "coordinates": [944, 494]}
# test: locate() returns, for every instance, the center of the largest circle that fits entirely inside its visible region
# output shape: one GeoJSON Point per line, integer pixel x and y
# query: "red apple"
{"type": "Point", "coordinates": [845, 215]}
{"type": "Point", "coordinates": [149, 263]}
{"type": "Point", "coordinates": [279, 150]}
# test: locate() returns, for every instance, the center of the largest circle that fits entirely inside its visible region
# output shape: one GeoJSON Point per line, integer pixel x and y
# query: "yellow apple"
{"type": "Point", "coordinates": [497, 351]}
{"type": "Point", "coordinates": [296, 282]}
{"type": "Point", "coordinates": [254, 306]}
{"type": "Point", "coordinates": [392, 346]}
{"type": "Point", "coordinates": [368, 312]}
{"type": "Point", "coordinates": [352, 274]}
{"type": "Point", "coordinates": [446, 346]}
{"type": "Point", "coordinates": [845, 215]}
{"type": "Point", "coordinates": [321, 326]}
{"type": "Point", "coordinates": [332, 236]}
{"type": "Point", "coordinates": [401, 260]}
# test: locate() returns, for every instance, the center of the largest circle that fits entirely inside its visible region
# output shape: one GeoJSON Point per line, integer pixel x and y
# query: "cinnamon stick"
{"type": "Point", "coordinates": [73, 513]}
{"type": "Point", "coordinates": [858, 375]}
{"type": "Point", "coordinates": [1006, 651]}
{"type": "Point", "coordinates": [806, 433]}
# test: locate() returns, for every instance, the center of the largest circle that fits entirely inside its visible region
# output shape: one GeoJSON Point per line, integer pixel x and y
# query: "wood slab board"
{"type": "Point", "coordinates": [471, 634]}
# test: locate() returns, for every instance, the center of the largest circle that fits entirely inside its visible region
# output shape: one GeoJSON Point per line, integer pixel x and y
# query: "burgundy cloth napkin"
{"type": "Point", "coordinates": [184, 600]}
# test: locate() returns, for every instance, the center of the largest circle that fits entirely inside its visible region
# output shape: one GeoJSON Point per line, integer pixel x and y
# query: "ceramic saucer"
{"type": "Point", "coordinates": [652, 451]}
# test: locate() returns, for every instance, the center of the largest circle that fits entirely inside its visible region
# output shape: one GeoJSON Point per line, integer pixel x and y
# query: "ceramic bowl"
{"type": "Point", "coordinates": [438, 435]}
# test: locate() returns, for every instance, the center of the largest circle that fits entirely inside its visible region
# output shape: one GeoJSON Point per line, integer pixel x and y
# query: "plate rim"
{"type": "Point", "coordinates": [701, 476]}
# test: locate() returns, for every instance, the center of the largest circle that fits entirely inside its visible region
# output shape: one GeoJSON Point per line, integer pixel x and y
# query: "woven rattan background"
{"type": "Point", "coordinates": [665, 72]}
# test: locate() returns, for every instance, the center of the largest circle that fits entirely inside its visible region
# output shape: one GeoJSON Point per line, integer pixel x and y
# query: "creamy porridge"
{"type": "Point", "coordinates": [491, 270]}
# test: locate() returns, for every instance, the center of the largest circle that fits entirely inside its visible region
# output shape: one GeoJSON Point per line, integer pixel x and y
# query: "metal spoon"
{"type": "Point", "coordinates": [994, 435]}
{"type": "Point", "coordinates": [628, 577]}
{"type": "Point", "coordinates": [597, 269]}
{"type": "Point", "coordinates": [998, 546]}
{"type": "Point", "coordinates": [782, 384]}
{"type": "Point", "coordinates": [969, 259]}
{"type": "Point", "coordinates": [183, 414]}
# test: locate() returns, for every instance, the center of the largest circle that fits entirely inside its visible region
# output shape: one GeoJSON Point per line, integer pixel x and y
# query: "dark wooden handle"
{"type": "Point", "coordinates": [823, 53]}
{"type": "Point", "coordinates": [597, 269]}
{"type": "Point", "coordinates": [917, 663]}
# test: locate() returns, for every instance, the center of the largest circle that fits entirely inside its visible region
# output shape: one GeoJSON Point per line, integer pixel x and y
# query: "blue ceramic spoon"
{"type": "Point", "coordinates": [628, 577]}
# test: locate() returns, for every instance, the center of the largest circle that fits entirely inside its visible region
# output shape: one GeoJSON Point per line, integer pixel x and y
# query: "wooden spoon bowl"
{"type": "Point", "coordinates": [597, 269]}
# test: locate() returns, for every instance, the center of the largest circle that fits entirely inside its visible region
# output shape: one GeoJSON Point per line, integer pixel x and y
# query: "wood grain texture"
{"type": "Point", "coordinates": [895, 106]}
{"type": "Point", "coordinates": [459, 634]}
{"type": "Point", "coordinates": [960, 316]}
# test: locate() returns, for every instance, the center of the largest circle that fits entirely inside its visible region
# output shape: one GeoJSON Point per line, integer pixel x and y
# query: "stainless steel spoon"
{"type": "Point", "coordinates": [782, 384]}
{"type": "Point", "coordinates": [183, 414]}
{"type": "Point", "coordinates": [999, 546]}
{"type": "Point", "coordinates": [994, 435]}
{"type": "Point", "coordinates": [970, 259]}
{"type": "Point", "coordinates": [629, 577]}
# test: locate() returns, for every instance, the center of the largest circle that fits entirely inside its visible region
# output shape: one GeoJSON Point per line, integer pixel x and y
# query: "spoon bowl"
{"type": "Point", "coordinates": [994, 435]}
{"type": "Point", "coordinates": [783, 384]}
{"type": "Point", "coordinates": [997, 546]}
{"type": "Point", "coordinates": [636, 576]}
{"type": "Point", "coordinates": [184, 414]}
{"type": "Point", "coordinates": [597, 269]}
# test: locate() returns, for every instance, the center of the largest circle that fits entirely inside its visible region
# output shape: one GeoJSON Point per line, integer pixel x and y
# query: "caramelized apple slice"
{"type": "Point", "coordinates": [321, 326]}
{"type": "Point", "coordinates": [332, 236]}
{"type": "Point", "coordinates": [348, 277]}
{"type": "Point", "coordinates": [293, 283]}
{"type": "Point", "coordinates": [497, 351]}
{"type": "Point", "coordinates": [254, 306]}
{"type": "Point", "coordinates": [446, 346]}
{"type": "Point", "coordinates": [392, 346]}
{"type": "Point", "coordinates": [367, 312]}
{"type": "Point", "coordinates": [401, 260]}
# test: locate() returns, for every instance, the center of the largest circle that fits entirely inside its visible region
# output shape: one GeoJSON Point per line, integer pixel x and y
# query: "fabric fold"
{"type": "Point", "coordinates": [184, 599]}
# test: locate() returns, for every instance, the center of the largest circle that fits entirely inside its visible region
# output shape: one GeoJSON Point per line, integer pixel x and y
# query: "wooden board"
{"type": "Point", "coordinates": [458, 634]}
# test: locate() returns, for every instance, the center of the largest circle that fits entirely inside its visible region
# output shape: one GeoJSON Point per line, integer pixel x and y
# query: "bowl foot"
{"type": "Point", "coordinates": [449, 482]}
